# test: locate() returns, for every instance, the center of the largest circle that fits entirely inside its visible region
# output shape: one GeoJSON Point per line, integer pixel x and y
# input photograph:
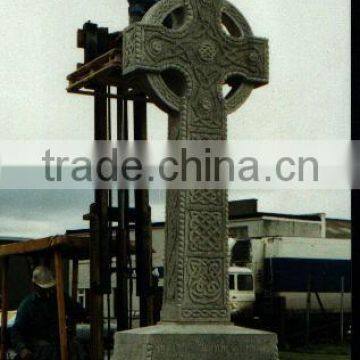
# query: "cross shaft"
{"type": "Point", "coordinates": [196, 259]}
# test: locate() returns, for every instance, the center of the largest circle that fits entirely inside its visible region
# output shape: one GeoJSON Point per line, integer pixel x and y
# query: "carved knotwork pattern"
{"type": "Point", "coordinates": [175, 245]}
{"type": "Point", "coordinates": [207, 113]}
{"type": "Point", "coordinates": [205, 231]}
{"type": "Point", "coordinates": [181, 245]}
{"type": "Point", "coordinates": [203, 135]}
{"type": "Point", "coordinates": [172, 236]}
{"type": "Point", "coordinates": [132, 47]}
{"type": "Point", "coordinates": [205, 280]}
{"type": "Point", "coordinates": [206, 197]}
{"type": "Point", "coordinates": [203, 314]}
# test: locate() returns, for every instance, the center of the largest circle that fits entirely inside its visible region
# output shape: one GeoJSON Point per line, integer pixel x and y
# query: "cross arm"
{"type": "Point", "coordinates": [150, 47]}
{"type": "Point", "coordinates": [248, 58]}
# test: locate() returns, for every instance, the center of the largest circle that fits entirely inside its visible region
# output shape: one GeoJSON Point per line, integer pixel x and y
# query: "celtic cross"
{"type": "Point", "coordinates": [187, 50]}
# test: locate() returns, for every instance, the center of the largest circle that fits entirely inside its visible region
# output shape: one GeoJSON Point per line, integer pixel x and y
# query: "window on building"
{"type": "Point", "coordinates": [245, 282]}
{"type": "Point", "coordinates": [232, 282]}
{"type": "Point", "coordinates": [241, 252]}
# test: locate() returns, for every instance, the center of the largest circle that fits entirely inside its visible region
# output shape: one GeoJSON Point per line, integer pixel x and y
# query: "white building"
{"type": "Point", "coordinates": [245, 223]}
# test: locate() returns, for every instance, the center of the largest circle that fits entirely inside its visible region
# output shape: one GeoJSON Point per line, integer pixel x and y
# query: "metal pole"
{"type": "Point", "coordinates": [342, 285]}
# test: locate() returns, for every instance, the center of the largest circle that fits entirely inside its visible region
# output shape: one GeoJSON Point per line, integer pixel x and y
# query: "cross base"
{"type": "Point", "coordinates": [168, 341]}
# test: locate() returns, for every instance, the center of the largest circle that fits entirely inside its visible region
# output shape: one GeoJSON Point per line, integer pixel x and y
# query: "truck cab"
{"type": "Point", "coordinates": [241, 289]}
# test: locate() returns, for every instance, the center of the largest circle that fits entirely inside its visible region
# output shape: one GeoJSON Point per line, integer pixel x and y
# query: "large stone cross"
{"type": "Point", "coordinates": [187, 50]}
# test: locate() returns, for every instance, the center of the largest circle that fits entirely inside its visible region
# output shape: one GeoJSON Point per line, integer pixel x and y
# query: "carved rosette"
{"type": "Point", "coordinates": [196, 259]}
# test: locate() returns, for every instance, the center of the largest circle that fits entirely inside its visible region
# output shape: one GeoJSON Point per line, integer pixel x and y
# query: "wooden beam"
{"type": "Point", "coordinates": [100, 276]}
{"type": "Point", "coordinates": [101, 130]}
{"type": "Point", "coordinates": [65, 242]}
{"type": "Point", "coordinates": [96, 297]}
{"type": "Point", "coordinates": [121, 214]}
{"type": "Point", "coordinates": [24, 247]}
{"type": "Point", "coordinates": [74, 295]}
{"type": "Point", "coordinates": [4, 306]}
{"type": "Point", "coordinates": [61, 305]}
{"type": "Point", "coordinates": [143, 231]}
{"type": "Point", "coordinates": [75, 279]}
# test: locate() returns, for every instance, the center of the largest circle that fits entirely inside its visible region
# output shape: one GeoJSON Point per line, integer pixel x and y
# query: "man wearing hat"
{"type": "Point", "coordinates": [35, 334]}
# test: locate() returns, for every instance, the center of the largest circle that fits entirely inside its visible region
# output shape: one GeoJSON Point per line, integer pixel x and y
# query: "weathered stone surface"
{"type": "Point", "coordinates": [206, 56]}
{"type": "Point", "coordinates": [195, 342]}
{"type": "Point", "coordinates": [187, 50]}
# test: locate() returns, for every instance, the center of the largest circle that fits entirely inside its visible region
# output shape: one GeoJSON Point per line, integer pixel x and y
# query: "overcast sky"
{"type": "Point", "coordinates": [308, 96]}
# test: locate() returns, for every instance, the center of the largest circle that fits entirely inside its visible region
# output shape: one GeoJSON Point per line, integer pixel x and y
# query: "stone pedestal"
{"type": "Point", "coordinates": [170, 341]}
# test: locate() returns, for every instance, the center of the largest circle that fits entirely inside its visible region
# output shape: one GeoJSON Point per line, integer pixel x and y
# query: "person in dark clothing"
{"type": "Point", "coordinates": [35, 334]}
